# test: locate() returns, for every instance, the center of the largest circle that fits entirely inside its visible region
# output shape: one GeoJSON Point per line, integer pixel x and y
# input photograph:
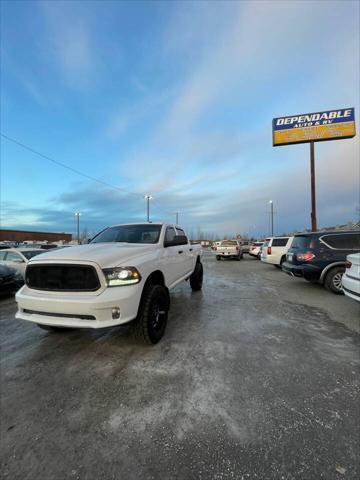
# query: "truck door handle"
{"type": "Point", "coordinates": [190, 249]}
{"type": "Point", "coordinates": [180, 251]}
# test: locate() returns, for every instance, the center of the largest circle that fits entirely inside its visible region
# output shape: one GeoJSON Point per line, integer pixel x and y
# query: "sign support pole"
{"type": "Point", "coordinates": [313, 195]}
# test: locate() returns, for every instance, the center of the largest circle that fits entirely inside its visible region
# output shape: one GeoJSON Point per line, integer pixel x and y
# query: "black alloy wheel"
{"type": "Point", "coordinates": [150, 324]}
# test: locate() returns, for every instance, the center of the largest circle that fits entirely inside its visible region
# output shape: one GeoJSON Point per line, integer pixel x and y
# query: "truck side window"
{"type": "Point", "coordinates": [181, 232]}
{"type": "Point", "coordinates": [170, 234]}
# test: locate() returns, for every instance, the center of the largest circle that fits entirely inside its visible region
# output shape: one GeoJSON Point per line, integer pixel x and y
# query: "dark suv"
{"type": "Point", "coordinates": [321, 256]}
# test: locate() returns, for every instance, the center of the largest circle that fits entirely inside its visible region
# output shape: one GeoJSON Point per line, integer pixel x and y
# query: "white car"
{"type": "Point", "coordinates": [351, 278]}
{"type": "Point", "coordinates": [124, 274]}
{"type": "Point", "coordinates": [229, 249]}
{"type": "Point", "coordinates": [17, 258]}
{"type": "Point", "coordinates": [255, 249]}
{"type": "Point", "coordinates": [275, 249]}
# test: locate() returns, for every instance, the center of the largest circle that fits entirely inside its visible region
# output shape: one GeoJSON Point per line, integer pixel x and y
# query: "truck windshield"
{"type": "Point", "coordinates": [146, 233]}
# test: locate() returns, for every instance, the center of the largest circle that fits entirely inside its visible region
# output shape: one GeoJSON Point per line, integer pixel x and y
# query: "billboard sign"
{"type": "Point", "coordinates": [314, 127]}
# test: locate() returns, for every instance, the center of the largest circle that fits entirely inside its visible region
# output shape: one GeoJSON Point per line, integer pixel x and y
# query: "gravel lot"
{"type": "Point", "coordinates": [254, 379]}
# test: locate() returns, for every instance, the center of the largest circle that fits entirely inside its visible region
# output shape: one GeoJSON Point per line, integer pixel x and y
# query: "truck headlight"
{"type": "Point", "coordinates": [119, 276]}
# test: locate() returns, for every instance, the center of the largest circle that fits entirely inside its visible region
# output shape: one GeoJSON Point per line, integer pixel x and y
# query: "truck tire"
{"type": "Point", "coordinates": [196, 278]}
{"type": "Point", "coordinates": [332, 280]}
{"type": "Point", "coordinates": [238, 257]}
{"type": "Point", "coordinates": [150, 323]}
{"type": "Point", "coordinates": [218, 257]}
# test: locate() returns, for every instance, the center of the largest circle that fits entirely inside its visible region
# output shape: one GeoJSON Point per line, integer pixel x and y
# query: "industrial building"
{"type": "Point", "coordinates": [24, 235]}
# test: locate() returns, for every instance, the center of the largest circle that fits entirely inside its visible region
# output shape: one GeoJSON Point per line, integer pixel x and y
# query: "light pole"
{"type": "Point", "coordinates": [177, 218]}
{"type": "Point", "coordinates": [148, 198]}
{"type": "Point", "coordinates": [77, 215]}
{"type": "Point", "coordinates": [272, 216]}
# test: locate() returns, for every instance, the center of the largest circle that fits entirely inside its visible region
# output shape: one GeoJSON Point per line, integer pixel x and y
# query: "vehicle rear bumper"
{"type": "Point", "coordinates": [270, 259]}
{"type": "Point", "coordinates": [78, 311]}
{"type": "Point", "coordinates": [309, 272]}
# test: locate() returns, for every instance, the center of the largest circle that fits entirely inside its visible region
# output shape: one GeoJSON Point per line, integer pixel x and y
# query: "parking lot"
{"type": "Point", "coordinates": [256, 378]}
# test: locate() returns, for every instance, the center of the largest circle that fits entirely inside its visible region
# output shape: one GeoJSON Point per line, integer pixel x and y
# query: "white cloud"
{"type": "Point", "coordinates": [69, 42]}
{"type": "Point", "coordinates": [266, 44]}
{"type": "Point", "coordinates": [126, 117]}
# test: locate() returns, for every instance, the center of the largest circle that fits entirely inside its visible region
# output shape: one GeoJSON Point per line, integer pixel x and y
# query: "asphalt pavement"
{"type": "Point", "coordinates": [255, 378]}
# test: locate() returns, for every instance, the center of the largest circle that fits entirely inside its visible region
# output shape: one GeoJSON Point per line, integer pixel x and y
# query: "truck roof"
{"type": "Point", "coordinates": [138, 223]}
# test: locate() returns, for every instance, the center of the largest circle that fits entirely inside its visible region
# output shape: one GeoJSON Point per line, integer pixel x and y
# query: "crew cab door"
{"type": "Point", "coordinates": [189, 260]}
{"type": "Point", "coordinates": [175, 258]}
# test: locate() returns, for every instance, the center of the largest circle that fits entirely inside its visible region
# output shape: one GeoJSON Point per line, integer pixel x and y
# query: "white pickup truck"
{"type": "Point", "coordinates": [124, 274]}
{"type": "Point", "coordinates": [229, 249]}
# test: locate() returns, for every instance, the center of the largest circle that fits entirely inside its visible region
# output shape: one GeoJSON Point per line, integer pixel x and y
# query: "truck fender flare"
{"type": "Point", "coordinates": [155, 278]}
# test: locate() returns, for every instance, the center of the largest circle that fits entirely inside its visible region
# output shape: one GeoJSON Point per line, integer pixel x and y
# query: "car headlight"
{"type": "Point", "coordinates": [120, 276]}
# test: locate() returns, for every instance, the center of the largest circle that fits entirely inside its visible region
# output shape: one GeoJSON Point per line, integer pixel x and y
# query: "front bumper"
{"type": "Point", "coordinates": [79, 310]}
{"type": "Point", "coordinates": [309, 272]}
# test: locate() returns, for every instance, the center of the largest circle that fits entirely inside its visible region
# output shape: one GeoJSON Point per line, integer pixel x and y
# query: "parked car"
{"type": "Point", "coordinates": [17, 258]}
{"type": "Point", "coordinates": [351, 277]}
{"type": "Point", "coordinates": [215, 245]}
{"type": "Point", "coordinates": [8, 244]}
{"type": "Point", "coordinates": [245, 245]}
{"type": "Point", "coordinates": [275, 249]}
{"type": "Point", "coordinates": [255, 249]}
{"type": "Point", "coordinates": [10, 280]}
{"type": "Point", "coordinates": [48, 246]}
{"type": "Point", "coordinates": [321, 256]}
{"type": "Point", "coordinates": [229, 249]}
{"type": "Point", "coordinates": [124, 274]}
{"type": "Point", "coordinates": [42, 246]}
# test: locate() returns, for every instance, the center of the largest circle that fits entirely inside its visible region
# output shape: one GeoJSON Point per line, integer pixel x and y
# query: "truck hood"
{"type": "Point", "coordinates": [104, 254]}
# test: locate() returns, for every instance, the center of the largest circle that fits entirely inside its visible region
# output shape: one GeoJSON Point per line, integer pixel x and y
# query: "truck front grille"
{"type": "Point", "coordinates": [62, 278]}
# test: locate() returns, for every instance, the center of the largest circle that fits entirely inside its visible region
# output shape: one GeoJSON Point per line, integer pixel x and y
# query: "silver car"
{"type": "Point", "coordinates": [17, 258]}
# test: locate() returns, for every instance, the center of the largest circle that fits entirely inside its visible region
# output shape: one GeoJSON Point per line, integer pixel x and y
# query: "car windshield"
{"type": "Point", "coordinates": [146, 233]}
{"type": "Point", "coordinates": [30, 253]}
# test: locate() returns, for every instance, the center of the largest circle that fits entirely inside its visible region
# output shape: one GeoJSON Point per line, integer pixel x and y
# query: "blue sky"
{"type": "Point", "coordinates": [174, 99]}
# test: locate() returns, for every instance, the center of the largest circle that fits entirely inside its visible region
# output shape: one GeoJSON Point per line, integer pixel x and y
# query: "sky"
{"type": "Point", "coordinates": [175, 100]}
